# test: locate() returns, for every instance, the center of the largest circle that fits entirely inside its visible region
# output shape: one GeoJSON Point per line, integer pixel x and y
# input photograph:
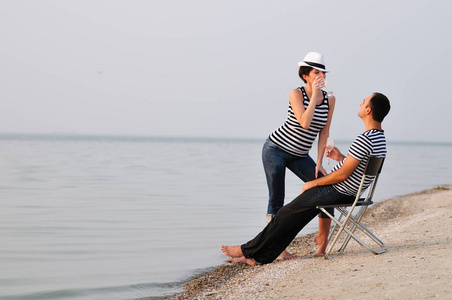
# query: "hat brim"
{"type": "Point", "coordinates": [303, 64]}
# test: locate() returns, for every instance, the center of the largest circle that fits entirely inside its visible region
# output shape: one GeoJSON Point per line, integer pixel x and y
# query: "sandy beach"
{"type": "Point", "coordinates": [416, 229]}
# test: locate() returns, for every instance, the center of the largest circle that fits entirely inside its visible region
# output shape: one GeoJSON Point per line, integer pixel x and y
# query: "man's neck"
{"type": "Point", "coordinates": [372, 125]}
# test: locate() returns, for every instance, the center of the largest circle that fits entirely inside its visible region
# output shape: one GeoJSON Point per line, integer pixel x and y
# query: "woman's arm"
{"type": "Point", "coordinates": [305, 116]}
{"type": "Point", "coordinates": [323, 135]}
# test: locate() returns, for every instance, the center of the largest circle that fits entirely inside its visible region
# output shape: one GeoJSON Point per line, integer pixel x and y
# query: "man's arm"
{"type": "Point", "coordinates": [339, 175]}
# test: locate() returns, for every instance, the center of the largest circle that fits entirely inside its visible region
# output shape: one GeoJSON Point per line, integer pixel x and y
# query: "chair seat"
{"type": "Point", "coordinates": [361, 202]}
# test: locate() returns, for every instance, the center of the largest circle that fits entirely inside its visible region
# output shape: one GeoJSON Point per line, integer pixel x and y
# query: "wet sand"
{"type": "Point", "coordinates": [416, 229]}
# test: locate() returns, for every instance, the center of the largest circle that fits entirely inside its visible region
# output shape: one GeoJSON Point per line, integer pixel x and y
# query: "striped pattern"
{"type": "Point", "coordinates": [292, 137]}
{"type": "Point", "coordinates": [370, 143]}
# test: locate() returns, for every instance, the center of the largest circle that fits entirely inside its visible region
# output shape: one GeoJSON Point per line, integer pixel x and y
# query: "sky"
{"type": "Point", "coordinates": [219, 68]}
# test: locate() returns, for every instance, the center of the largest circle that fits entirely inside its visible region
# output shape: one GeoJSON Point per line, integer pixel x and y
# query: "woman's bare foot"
{"type": "Point", "coordinates": [232, 251]}
{"type": "Point", "coordinates": [321, 238]}
{"type": "Point", "coordinates": [285, 255]}
{"type": "Point", "coordinates": [322, 243]}
{"type": "Point", "coordinates": [242, 260]}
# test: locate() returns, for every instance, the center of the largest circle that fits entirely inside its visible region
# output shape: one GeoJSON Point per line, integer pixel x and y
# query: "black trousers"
{"type": "Point", "coordinates": [289, 221]}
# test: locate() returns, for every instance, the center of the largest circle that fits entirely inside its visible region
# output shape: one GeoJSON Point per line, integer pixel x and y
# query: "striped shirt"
{"type": "Point", "coordinates": [292, 137]}
{"type": "Point", "coordinates": [369, 143]}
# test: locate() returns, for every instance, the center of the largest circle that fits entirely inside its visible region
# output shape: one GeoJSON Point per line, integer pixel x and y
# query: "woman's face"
{"type": "Point", "coordinates": [313, 75]}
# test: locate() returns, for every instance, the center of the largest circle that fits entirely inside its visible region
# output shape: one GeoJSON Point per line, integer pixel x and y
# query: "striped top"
{"type": "Point", "coordinates": [292, 137]}
{"type": "Point", "coordinates": [369, 143]}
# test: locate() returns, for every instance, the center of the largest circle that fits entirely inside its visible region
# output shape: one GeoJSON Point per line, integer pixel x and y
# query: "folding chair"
{"type": "Point", "coordinates": [352, 221]}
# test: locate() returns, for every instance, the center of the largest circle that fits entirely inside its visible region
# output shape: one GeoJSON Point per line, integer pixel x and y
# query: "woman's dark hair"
{"type": "Point", "coordinates": [304, 70]}
{"type": "Point", "coordinates": [380, 106]}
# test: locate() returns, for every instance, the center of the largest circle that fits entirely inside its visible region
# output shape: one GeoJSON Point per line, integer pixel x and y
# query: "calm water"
{"type": "Point", "coordinates": [130, 218]}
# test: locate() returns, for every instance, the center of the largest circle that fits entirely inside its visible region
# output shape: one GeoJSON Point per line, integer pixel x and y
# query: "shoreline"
{"type": "Point", "coordinates": [297, 278]}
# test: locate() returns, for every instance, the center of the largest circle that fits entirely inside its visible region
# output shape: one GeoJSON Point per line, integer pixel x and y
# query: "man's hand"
{"type": "Point", "coordinates": [334, 153]}
{"type": "Point", "coordinates": [308, 185]}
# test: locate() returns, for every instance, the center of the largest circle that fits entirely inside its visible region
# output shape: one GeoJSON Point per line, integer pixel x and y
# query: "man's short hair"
{"type": "Point", "coordinates": [380, 106]}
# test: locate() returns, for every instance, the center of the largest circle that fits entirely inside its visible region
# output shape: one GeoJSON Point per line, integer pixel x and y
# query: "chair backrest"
{"type": "Point", "coordinates": [374, 165]}
{"type": "Point", "coordinates": [373, 168]}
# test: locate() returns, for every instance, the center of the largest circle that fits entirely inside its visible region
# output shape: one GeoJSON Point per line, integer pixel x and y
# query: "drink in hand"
{"type": "Point", "coordinates": [329, 93]}
{"type": "Point", "coordinates": [329, 146]}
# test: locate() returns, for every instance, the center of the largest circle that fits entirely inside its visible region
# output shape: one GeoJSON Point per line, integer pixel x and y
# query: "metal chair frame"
{"type": "Point", "coordinates": [352, 222]}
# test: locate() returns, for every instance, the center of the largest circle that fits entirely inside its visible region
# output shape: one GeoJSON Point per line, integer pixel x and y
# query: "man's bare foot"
{"type": "Point", "coordinates": [322, 243]}
{"type": "Point", "coordinates": [285, 255]}
{"type": "Point", "coordinates": [232, 251]}
{"type": "Point", "coordinates": [242, 260]}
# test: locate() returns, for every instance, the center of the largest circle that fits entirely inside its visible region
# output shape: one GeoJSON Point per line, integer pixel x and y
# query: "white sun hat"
{"type": "Point", "coordinates": [313, 60]}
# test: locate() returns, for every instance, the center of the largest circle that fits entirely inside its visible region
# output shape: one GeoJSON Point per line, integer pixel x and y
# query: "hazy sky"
{"type": "Point", "coordinates": [219, 68]}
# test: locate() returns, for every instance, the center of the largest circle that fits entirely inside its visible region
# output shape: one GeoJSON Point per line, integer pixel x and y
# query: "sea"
{"type": "Point", "coordinates": [127, 217]}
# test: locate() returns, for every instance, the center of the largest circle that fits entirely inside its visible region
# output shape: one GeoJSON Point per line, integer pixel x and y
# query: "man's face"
{"type": "Point", "coordinates": [364, 106]}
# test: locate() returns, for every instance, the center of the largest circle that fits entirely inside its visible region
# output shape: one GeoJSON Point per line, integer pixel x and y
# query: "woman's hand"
{"type": "Point", "coordinates": [319, 168]}
{"type": "Point", "coordinates": [317, 84]}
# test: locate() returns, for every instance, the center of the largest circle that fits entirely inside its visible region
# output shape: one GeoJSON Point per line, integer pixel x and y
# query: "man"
{"type": "Point", "coordinates": [340, 186]}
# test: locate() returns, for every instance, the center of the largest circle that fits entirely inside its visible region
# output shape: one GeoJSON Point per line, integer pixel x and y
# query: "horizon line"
{"type": "Point", "coordinates": [24, 135]}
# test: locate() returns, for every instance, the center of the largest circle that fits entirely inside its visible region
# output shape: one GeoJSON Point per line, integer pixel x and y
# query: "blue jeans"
{"type": "Point", "coordinates": [289, 221]}
{"type": "Point", "coordinates": [275, 162]}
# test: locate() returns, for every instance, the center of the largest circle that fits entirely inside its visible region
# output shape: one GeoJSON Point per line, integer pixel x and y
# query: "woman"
{"type": "Point", "coordinates": [309, 115]}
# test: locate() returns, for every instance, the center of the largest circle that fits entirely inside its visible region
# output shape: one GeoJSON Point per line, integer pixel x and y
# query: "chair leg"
{"type": "Point", "coordinates": [333, 230]}
{"type": "Point", "coordinates": [353, 226]}
{"type": "Point", "coordinates": [356, 223]}
{"type": "Point", "coordinates": [337, 223]}
{"type": "Point", "coordinates": [372, 236]}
